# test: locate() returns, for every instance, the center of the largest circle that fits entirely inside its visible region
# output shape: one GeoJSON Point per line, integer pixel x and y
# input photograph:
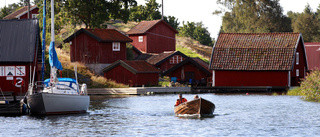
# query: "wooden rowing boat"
{"type": "Point", "coordinates": [196, 106]}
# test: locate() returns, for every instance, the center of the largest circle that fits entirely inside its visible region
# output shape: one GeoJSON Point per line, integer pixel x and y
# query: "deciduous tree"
{"type": "Point", "coordinates": [253, 16]}
{"type": "Point", "coordinates": [306, 23]}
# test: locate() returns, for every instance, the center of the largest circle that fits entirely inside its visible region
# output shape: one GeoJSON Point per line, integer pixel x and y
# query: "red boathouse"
{"type": "Point", "coordinates": [258, 59]}
{"type": "Point", "coordinates": [132, 73]}
{"type": "Point", "coordinates": [20, 54]}
{"type": "Point", "coordinates": [181, 68]}
{"type": "Point", "coordinates": [154, 36]}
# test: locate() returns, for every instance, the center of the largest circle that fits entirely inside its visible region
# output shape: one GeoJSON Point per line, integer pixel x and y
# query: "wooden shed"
{"type": "Point", "coordinates": [133, 73]}
{"type": "Point", "coordinates": [180, 67]}
{"type": "Point", "coordinates": [258, 59]}
{"type": "Point", "coordinates": [20, 53]}
{"type": "Point", "coordinates": [189, 71]}
{"type": "Point", "coordinates": [313, 55]}
{"type": "Point", "coordinates": [154, 36]}
{"type": "Point", "coordinates": [97, 48]}
{"type": "Point", "coordinates": [22, 13]}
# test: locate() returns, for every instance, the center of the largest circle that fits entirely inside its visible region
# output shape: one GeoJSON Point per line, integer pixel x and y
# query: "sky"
{"type": "Point", "coordinates": [201, 10]}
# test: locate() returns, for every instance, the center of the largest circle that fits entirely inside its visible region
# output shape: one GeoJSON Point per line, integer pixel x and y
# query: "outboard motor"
{"type": "Point", "coordinates": [83, 90]}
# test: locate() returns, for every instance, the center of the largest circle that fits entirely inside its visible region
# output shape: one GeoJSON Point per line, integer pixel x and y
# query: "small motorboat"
{"type": "Point", "coordinates": [198, 106]}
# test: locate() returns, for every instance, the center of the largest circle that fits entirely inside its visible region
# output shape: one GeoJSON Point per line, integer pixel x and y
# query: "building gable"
{"type": "Point", "coordinates": [101, 35]}
{"type": "Point", "coordinates": [18, 13]}
{"type": "Point", "coordinates": [162, 57]}
{"type": "Point", "coordinates": [145, 26]}
{"type": "Point", "coordinates": [134, 66]}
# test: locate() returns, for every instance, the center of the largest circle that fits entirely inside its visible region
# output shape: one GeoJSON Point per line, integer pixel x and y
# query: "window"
{"type": "Point", "coordinates": [140, 38]}
{"type": "Point", "coordinates": [35, 16]}
{"type": "Point", "coordinates": [297, 58]}
{"type": "Point", "coordinates": [176, 59]}
{"type": "Point", "coordinates": [297, 72]}
{"type": "Point", "coordinates": [116, 46]}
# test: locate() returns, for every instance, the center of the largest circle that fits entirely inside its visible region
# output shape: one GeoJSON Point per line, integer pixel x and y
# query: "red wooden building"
{"type": "Point", "coordinates": [313, 54]}
{"type": "Point", "coordinates": [133, 73]}
{"type": "Point", "coordinates": [258, 59]}
{"type": "Point", "coordinates": [97, 48]}
{"type": "Point", "coordinates": [154, 36]}
{"type": "Point", "coordinates": [22, 13]}
{"type": "Point", "coordinates": [180, 67]}
{"type": "Point", "coordinates": [20, 53]}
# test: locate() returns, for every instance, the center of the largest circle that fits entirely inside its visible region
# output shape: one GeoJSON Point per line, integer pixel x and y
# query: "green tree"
{"type": "Point", "coordinates": [196, 31]}
{"type": "Point", "coordinates": [253, 16]}
{"type": "Point", "coordinates": [152, 10]}
{"type": "Point", "coordinates": [90, 12]}
{"type": "Point", "coordinates": [6, 10]}
{"type": "Point", "coordinates": [121, 9]}
{"type": "Point", "coordinates": [148, 12]}
{"type": "Point", "coordinates": [307, 23]}
{"type": "Point", "coordinates": [172, 21]}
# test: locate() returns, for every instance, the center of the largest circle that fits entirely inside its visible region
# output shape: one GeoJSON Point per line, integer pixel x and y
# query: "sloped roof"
{"type": "Point", "coordinates": [145, 26]}
{"type": "Point", "coordinates": [254, 51]}
{"type": "Point", "coordinates": [313, 54]}
{"type": "Point", "coordinates": [18, 40]}
{"type": "Point", "coordinates": [20, 12]}
{"type": "Point", "coordinates": [135, 66]}
{"type": "Point", "coordinates": [202, 63]}
{"type": "Point", "coordinates": [200, 67]}
{"type": "Point", "coordinates": [158, 59]}
{"type": "Point", "coordinates": [101, 35]}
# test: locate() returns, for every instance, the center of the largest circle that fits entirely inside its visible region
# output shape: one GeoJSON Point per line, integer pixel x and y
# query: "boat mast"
{"type": "Point", "coordinates": [53, 76]}
{"type": "Point", "coordinates": [43, 39]}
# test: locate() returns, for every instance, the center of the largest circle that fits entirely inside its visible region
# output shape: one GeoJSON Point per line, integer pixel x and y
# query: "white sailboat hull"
{"type": "Point", "coordinates": [51, 103]}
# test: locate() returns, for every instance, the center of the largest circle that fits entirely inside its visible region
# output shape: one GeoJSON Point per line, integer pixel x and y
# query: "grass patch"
{"type": "Point", "coordinates": [295, 92]}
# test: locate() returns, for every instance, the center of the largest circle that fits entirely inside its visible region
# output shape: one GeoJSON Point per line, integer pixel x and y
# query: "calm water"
{"type": "Point", "coordinates": [235, 115]}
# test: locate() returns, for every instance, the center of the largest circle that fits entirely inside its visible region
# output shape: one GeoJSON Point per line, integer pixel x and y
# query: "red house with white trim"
{"type": "Point", "coordinates": [154, 36]}
{"type": "Point", "coordinates": [132, 72]}
{"type": "Point", "coordinates": [258, 59]}
{"type": "Point", "coordinates": [22, 13]}
{"type": "Point", "coordinates": [97, 48]}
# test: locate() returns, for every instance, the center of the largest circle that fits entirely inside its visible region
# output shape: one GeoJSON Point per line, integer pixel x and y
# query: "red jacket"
{"type": "Point", "coordinates": [178, 102]}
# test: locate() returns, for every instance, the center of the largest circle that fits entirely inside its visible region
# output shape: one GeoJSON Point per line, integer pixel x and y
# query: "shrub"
{"type": "Point", "coordinates": [310, 87]}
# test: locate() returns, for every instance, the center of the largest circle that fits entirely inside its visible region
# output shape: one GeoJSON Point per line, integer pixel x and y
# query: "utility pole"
{"type": "Point", "coordinates": [28, 1]}
{"type": "Point", "coordinates": [162, 10]}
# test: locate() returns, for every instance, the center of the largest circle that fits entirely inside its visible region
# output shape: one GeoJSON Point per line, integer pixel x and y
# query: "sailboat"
{"type": "Point", "coordinates": [56, 95]}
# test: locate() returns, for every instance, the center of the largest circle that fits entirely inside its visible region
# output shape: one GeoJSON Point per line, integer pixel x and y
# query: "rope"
{"type": "Point", "coordinates": [3, 95]}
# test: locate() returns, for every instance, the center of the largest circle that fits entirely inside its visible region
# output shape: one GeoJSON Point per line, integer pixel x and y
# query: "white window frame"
{"type": "Point", "coordinates": [297, 72]}
{"type": "Point", "coordinates": [115, 46]}
{"type": "Point", "coordinates": [34, 16]}
{"type": "Point", "coordinates": [140, 38]}
{"type": "Point", "coordinates": [297, 58]}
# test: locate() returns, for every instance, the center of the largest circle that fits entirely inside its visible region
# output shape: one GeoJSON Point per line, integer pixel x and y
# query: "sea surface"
{"type": "Point", "coordinates": [235, 115]}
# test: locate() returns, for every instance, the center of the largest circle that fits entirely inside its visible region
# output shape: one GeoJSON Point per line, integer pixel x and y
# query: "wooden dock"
{"type": "Point", "coordinates": [138, 90]}
{"type": "Point", "coordinates": [240, 89]}
{"type": "Point", "coordinates": [11, 106]}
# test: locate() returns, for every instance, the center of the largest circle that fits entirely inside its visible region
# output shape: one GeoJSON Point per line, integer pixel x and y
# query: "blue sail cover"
{"type": "Point", "coordinates": [53, 58]}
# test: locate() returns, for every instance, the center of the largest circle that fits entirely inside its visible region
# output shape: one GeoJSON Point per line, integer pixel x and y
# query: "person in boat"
{"type": "Point", "coordinates": [196, 97]}
{"type": "Point", "coordinates": [180, 100]}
